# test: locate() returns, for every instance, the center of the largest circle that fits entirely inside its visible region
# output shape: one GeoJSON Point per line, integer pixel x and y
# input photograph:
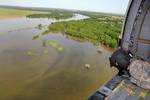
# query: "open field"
{"type": "Point", "coordinates": [11, 13]}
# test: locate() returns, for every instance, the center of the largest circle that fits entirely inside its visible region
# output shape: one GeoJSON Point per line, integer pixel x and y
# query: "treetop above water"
{"type": "Point", "coordinates": [56, 15]}
{"type": "Point", "coordinates": [104, 30]}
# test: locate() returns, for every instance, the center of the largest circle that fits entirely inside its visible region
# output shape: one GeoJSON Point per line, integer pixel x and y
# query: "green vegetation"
{"type": "Point", "coordinates": [52, 14]}
{"type": "Point", "coordinates": [45, 52]}
{"type": "Point", "coordinates": [45, 32]}
{"type": "Point", "coordinates": [102, 29]}
{"type": "Point", "coordinates": [44, 42]}
{"type": "Point", "coordinates": [56, 46]}
{"type": "Point", "coordinates": [33, 53]}
{"type": "Point", "coordinates": [99, 28]}
{"type": "Point", "coordinates": [35, 37]}
{"type": "Point", "coordinates": [35, 13]}
{"type": "Point", "coordinates": [39, 26]}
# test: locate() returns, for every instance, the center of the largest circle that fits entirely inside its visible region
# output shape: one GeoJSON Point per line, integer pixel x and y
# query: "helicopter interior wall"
{"type": "Point", "coordinates": [144, 37]}
{"type": "Point", "coordinates": [136, 33]}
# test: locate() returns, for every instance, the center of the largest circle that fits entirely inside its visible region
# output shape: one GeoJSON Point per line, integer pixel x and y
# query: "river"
{"type": "Point", "coordinates": [30, 70]}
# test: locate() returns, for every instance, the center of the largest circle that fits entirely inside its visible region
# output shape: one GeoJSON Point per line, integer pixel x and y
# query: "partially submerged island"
{"type": "Point", "coordinates": [55, 50]}
{"type": "Point", "coordinates": [98, 28]}
{"type": "Point", "coordinates": [101, 29]}
{"type": "Point", "coordinates": [52, 14]}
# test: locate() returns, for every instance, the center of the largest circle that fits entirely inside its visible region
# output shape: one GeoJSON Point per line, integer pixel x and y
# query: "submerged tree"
{"type": "Point", "coordinates": [39, 26]}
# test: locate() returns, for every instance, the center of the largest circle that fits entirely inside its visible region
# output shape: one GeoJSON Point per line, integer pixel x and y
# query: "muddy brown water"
{"type": "Point", "coordinates": [54, 75]}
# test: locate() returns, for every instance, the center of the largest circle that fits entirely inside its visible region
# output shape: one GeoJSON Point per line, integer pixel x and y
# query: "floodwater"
{"type": "Point", "coordinates": [32, 69]}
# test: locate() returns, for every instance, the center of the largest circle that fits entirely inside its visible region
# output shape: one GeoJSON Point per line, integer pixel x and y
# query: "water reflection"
{"type": "Point", "coordinates": [49, 67]}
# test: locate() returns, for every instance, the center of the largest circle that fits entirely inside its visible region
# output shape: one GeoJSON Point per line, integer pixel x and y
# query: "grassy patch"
{"type": "Point", "coordinates": [56, 46]}
{"type": "Point", "coordinates": [35, 37]}
{"type": "Point", "coordinates": [10, 13]}
{"type": "Point", "coordinates": [33, 53]}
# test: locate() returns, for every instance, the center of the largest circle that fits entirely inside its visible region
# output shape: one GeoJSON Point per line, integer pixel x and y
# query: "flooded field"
{"type": "Point", "coordinates": [48, 67]}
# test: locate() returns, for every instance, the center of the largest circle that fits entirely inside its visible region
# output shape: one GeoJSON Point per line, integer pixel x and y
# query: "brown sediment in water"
{"type": "Point", "coordinates": [107, 48]}
{"type": "Point", "coordinates": [47, 73]}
